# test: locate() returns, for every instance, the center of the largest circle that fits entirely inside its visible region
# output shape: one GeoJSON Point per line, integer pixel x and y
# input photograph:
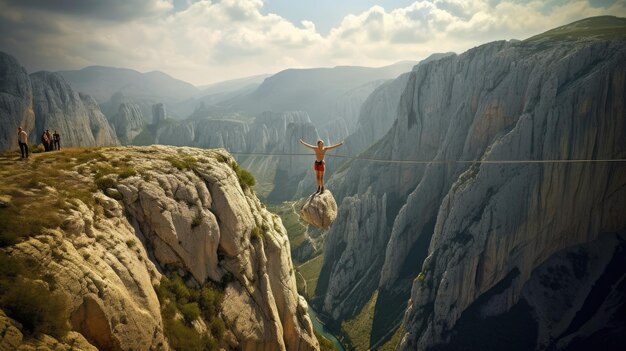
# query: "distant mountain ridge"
{"type": "Point", "coordinates": [313, 90]}
{"type": "Point", "coordinates": [102, 82]}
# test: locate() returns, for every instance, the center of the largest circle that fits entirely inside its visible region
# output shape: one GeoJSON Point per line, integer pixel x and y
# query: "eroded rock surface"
{"type": "Point", "coordinates": [320, 210]}
{"type": "Point", "coordinates": [181, 210]}
{"type": "Point", "coordinates": [456, 231]}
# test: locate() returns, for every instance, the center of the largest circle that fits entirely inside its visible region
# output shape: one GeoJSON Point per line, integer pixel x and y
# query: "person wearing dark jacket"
{"type": "Point", "coordinates": [56, 141]}
{"type": "Point", "coordinates": [45, 141]}
{"type": "Point", "coordinates": [49, 138]}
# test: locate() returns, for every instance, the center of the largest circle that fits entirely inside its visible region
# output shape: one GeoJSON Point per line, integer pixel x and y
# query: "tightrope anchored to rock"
{"type": "Point", "coordinates": [319, 210]}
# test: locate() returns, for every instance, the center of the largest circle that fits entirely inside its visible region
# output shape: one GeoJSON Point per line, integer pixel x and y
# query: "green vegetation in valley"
{"type": "Point", "coordinates": [291, 221]}
{"type": "Point", "coordinates": [395, 339]}
{"type": "Point", "coordinates": [325, 344]}
{"type": "Point", "coordinates": [310, 272]}
{"type": "Point", "coordinates": [359, 329]}
{"type": "Point", "coordinates": [182, 305]}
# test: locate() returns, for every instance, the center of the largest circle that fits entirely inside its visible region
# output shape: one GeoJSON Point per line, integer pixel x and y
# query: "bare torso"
{"type": "Point", "coordinates": [320, 149]}
{"type": "Point", "coordinates": [320, 153]}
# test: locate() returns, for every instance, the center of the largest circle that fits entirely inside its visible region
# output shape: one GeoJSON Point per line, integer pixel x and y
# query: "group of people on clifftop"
{"type": "Point", "coordinates": [50, 141]}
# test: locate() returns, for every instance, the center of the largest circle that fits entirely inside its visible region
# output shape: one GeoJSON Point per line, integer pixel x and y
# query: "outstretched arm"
{"type": "Point", "coordinates": [307, 145]}
{"type": "Point", "coordinates": [334, 146]}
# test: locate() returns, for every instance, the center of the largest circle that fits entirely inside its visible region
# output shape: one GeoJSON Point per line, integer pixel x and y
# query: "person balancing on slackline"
{"type": "Point", "coordinates": [320, 152]}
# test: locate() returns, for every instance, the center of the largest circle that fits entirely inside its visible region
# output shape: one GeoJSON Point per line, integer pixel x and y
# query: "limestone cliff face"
{"type": "Point", "coordinates": [468, 228]}
{"type": "Point", "coordinates": [58, 107]}
{"type": "Point", "coordinates": [262, 305]}
{"type": "Point", "coordinates": [128, 122]}
{"type": "Point", "coordinates": [198, 220]}
{"type": "Point", "coordinates": [207, 133]}
{"type": "Point", "coordinates": [16, 95]}
{"type": "Point", "coordinates": [376, 115]}
{"type": "Point", "coordinates": [103, 132]}
{"type": "Point", "coordinates": [269, 129]}
{"type": "Point", "coordinates": [513, 218]}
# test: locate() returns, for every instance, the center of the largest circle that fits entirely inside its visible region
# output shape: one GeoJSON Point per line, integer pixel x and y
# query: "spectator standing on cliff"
{"type": "Point", "coordinates": [22, 140]}
{"type": "Point", "coordinates": [56, 141]}
{"type": "Point", "coordinates": [45, 141]}
{"type": "Point", "coordinates": [49, 138]}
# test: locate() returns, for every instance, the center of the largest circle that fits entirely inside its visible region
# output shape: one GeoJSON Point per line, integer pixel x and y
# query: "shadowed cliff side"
{"type": "Point", "coordinates": [475, 224]}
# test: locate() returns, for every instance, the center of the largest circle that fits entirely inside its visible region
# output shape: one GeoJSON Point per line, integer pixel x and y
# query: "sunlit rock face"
{"type": "Point", "coordinates": [455, 231]}
{"type": "Point", "coordinates": [197, 220]}
{"type": "Point", "coordinates": [319, 209]}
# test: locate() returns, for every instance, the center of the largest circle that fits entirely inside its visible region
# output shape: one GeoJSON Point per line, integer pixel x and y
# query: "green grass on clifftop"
{"type": "Point", "coordinates": [602, 27]}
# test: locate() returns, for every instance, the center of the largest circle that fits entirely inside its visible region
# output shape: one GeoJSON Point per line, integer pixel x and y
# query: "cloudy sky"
{"type": "Point", "coordinates": [208, 41]}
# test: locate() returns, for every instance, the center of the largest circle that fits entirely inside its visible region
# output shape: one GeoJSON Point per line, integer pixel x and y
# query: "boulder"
{"type": "Point", "coordinates": [320, 210]}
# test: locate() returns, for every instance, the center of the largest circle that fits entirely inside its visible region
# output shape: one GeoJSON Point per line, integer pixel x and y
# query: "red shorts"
{"type": "Point", "coordinates": [319, 166]}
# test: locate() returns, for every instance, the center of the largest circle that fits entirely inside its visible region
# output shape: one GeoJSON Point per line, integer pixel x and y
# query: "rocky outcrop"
{"type": "Point", "coordinates": [207, 223]}
{"type": "Point", "coordinates": [16, 109]}
{"type": "Point", "coordinates": [103, 133]}
{"type": "Point", "coordinates": [178, 134]}
{"type": "Point", "coordinates": [109, 285]}
{"type": "Point", "coordinates": [58, 107]}
{"type": "Point", "coordinates": [128, 122]}
{"type": "Point", "coordinates": [473, 225]}
{"type": "Point", "coordinates": [175, 210]}
{"type": "Point", "coordinates": [319, 210]}
{"type": "Point", "coordinates": [158, 113]}
{"type": "Point", "coordinates": [11, 338]}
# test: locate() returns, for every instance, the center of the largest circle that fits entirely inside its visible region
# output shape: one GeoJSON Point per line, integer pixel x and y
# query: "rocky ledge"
{"type": "Point", "coordinates": [158, 211]}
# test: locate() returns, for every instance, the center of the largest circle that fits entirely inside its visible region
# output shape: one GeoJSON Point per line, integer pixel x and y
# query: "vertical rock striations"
{"type": "Point", "coordinates": [128, 122]}
{"type": "Point", "coordinates": [42, 101]}
{"type": "Point", "coordinates": [16, 109]}
{"type": "Point", "coordinates": [207, 223]}
{"type": "Point", "coordinates": [467, 228]}
{"type": "Point", "coordinates": [58, 107]}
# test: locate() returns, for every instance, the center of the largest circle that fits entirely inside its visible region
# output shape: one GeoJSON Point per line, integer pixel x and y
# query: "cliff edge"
{"type": "Point", "coordinates": [141, 241]}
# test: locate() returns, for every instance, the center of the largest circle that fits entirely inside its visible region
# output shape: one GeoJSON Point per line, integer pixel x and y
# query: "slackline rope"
{"type": "Point", "coordinates": [611, 160]}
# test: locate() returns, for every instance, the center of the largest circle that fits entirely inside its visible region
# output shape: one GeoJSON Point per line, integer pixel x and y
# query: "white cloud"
{"type": "Point", "coordinates": [208, 41]}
